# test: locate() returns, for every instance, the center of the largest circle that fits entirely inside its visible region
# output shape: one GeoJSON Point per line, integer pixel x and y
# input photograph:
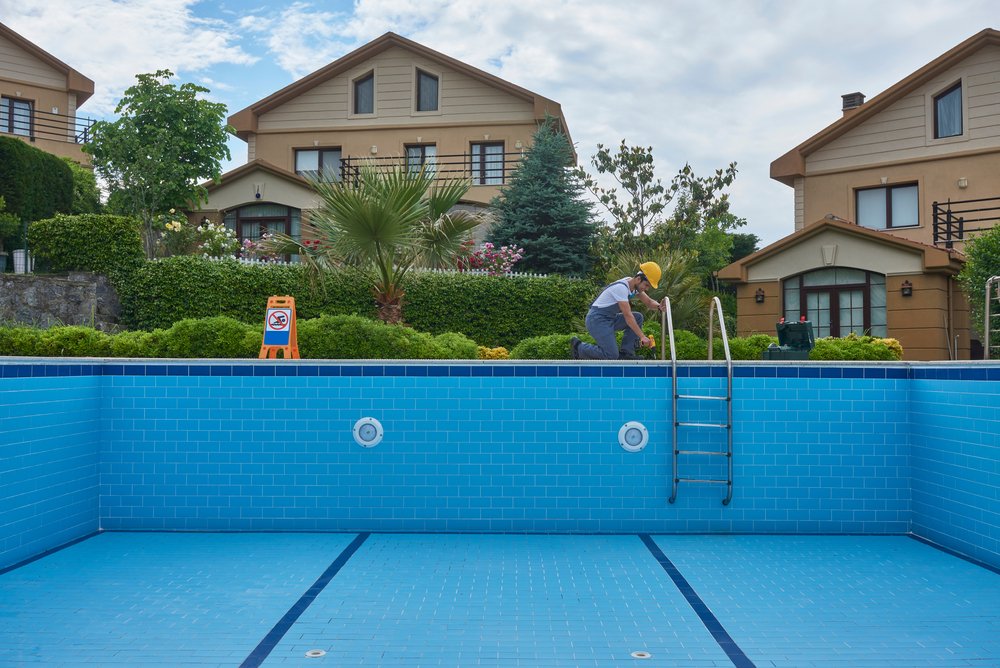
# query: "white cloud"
{"type": "Point", "coordinates": [704, 83]}
{"type": "Point", "coordinates": [110, 41]}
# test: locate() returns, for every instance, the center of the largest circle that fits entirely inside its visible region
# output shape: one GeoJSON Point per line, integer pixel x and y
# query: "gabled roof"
{"type": "Point", "coordinates": [256, 165]}
{"type": "Point", "coordinates": [245, 121]}
{"type": "Point", "coordinates": [934, 259]}
{"type": "Point", "coordinates": [75, 82]}
{"type": "Point", "coordinates": [793, 164]}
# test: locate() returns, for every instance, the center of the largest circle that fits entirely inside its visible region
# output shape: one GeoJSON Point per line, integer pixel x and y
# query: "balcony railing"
{"type": "Point", "coordinates": [488, 170]}
{"type": "Point", "coordinates": [36, 124]}
{"type": "Point", "coordinates": [958, 220]}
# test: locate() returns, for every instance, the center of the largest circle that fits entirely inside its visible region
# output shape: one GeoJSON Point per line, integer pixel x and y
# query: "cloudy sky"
{"type": "Point", "coordinates": [704, 83]}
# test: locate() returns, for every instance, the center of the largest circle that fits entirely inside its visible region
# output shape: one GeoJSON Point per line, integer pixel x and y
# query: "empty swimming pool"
{"type": "Point", "coordinates": [496, 520]}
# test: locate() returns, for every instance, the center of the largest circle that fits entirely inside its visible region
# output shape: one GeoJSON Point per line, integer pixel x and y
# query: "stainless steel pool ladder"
{"type": "Point", "coordinates": [991, 327]}
{"type": "Point", "coordinates": [667, 334]}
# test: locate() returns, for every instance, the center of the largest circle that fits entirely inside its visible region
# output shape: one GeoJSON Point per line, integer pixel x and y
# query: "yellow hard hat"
{"type": "Point", "coordinates": [652, 272]}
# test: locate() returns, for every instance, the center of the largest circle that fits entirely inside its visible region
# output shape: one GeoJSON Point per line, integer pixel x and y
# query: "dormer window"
{"type": "Point", "coordinates": [948, 112]}
{"type": "Point", "coordinates": [364, 94]}
{"type": "Point", "coordinates": [427, 91]}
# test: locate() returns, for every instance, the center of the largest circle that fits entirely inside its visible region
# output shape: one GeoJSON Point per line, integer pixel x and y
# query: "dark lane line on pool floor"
{"type": "Point", "coordinates": [271, 640]}
{"type": "Point", "coordinates": [711, 622]}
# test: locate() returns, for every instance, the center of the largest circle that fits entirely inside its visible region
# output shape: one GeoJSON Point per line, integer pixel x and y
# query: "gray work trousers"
{"type": "Point", "coordinates": [602, 323]}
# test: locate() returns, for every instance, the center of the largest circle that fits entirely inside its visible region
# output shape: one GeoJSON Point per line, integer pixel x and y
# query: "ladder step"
{"type": "Point", "coordinates": [697, 396]}
{"type": "Point", "coordinates": [703, 424]}
{"type": "Point", "coordinates": [703, 452]}
{"type": "Point", "coordinates": [709, 481]}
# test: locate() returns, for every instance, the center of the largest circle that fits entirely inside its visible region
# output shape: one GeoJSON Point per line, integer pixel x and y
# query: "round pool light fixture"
{"type": "Point", "coordinates": [633, 436]}
{"type": "Point", "coordinates": [641, 655]}
{"type": "Point", "coordinates": [368, 432]}
{"type": "Point", "coordinates": [315, 653]}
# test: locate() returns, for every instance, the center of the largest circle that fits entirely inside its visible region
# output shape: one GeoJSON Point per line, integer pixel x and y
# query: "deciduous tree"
{"type": "Point", "coordinates": [166, 142]}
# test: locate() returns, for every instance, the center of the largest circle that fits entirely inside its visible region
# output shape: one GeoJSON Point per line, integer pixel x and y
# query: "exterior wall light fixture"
{"type": "Point", "coordinates": [759, 296]}
{"type": "Point", "coordinates": [906, 289]}
{"type": "Point", "coordinates": [963, 182]}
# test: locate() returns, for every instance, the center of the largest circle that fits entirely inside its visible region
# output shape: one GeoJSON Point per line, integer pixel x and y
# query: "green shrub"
{"type": "Point", "coordinates": [35, 184]}
{"type": "Point", "coordinates": [854, 347]}
{"type": "Point", "coordinates": [747, 347]}
{"type": "Point", "coordinates": [457, 346]}
{"type": "Point", "coordinates": [137, 343]}
{"type": "Point", "coordinates": [354, 337]}
{"type": "Point", "coordinates": [19, 340]}
{"type": "Point", "coordinates": [217, 337]}
{"type": "Point", "coordinates": [105, 244]}
{"type": "Point", "coordinates": [550, 347]}
{"type": "Point", "coordinates": [690, 346]}
{"type": "Point", "coordinates": [73, 341]}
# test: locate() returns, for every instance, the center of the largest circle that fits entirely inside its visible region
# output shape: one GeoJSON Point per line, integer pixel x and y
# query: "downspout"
{"type": "Point", "coordinates": [949, 324]}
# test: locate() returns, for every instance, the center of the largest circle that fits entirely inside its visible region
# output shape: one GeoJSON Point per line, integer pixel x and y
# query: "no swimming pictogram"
{"type": "Point", "coordinates": [277, 319]}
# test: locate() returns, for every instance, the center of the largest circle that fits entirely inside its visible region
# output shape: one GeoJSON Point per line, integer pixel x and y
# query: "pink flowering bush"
{"type": "Point", "coordinates": [493, 260]}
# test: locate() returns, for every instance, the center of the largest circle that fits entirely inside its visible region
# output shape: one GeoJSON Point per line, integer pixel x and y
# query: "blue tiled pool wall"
{"type": "Point", "coordinates": [493, 448]}
{"type": "Point", "coordinates": [49, 447]}
{"type": "Point", "coordinates": [955, 461]}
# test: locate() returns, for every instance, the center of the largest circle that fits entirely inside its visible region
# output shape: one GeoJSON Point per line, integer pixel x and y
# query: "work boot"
{"type": "Point", "coordinates": [574, 345]}
{"type": "Point", "coordinates": [626, 355]}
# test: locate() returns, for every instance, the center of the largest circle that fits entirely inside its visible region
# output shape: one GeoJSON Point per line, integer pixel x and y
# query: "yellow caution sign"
{"type": "Point", "coordinates": [279, 330]}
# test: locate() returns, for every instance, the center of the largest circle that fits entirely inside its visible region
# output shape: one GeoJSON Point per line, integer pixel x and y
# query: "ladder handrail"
{"type": "Point", "coordinates": [667, 337]}
{"type": "Point", "coordinates": [716, 309]}
{"type": "Point", "coordinates": [987, 317]}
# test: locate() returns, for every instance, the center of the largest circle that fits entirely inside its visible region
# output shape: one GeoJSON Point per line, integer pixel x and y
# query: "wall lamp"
{"type": "Point", "coordinates": [759, 296]}
{"type": "Point", "coordinates": [963, 182]}
{"type": "Point", "coordinates": [906, 289]}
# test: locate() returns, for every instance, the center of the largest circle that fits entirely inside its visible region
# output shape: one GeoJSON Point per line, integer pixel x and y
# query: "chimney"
{"type": "Point", "coordinates": [853, 101]}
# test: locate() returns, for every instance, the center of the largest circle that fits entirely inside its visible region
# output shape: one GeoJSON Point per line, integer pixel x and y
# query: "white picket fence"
{"type": "Point", "coordinates": [473, 272]}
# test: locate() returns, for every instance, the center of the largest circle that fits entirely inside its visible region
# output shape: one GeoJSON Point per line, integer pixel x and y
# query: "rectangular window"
{"type": "Point", "coordinates": [322, 164]}
{"type": "Point", "coordinates": [948, 113]}
{"type": "Point", "coordinates": [15, 116]}
{"type": "Point", "coordinates": [427, 91]}
{"type": "Point", "coordinates": [364, 94]}
{"type": "Point", "coordinates": [421, 156]}
{"type": "Point", "coordinates": [487, 163]}
{"type": "Point", "coordinates": [889, 207]}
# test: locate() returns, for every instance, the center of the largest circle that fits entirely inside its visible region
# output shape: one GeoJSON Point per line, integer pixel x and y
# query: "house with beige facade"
{"type": "Point", "coordinates": [39, 98]}
{"type": "Point", "coordinates": [885, 199]}
{"type": "Point", "coordinates": [392, 103]}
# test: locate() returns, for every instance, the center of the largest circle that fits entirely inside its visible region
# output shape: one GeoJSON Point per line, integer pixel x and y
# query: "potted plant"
{"type": "Point", "coordinates": [9, 226]}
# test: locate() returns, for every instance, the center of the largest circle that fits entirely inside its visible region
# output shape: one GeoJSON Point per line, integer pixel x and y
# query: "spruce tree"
{"type": "Point", "coordinates": [543, 210]}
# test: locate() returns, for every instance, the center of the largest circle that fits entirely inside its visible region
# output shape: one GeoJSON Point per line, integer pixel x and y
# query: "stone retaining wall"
{"type": "Point", "coordinates": [43, 300]}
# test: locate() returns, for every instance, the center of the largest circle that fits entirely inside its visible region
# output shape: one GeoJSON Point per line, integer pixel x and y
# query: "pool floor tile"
{"type": "Point", "coordinates": [826, 601]}
{"type": "Point", "coordinates": [548, 601]}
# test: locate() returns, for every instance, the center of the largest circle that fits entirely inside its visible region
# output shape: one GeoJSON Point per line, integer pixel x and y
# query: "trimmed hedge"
{"type": "Point", "coordinates": [326, 337]}
{"type": "Point", "coordinates": [353, 337]}
{"type": "Point", "coordinates": [854, 347]}
{"type": "Point", "coordinates": [35, 184]}
{"type": "Point", "coordinates": [690, 346]}
{"type": "Point", "coordinates": [495, 310]}
{"type": "Point", "coordinates": [164, 291]}
{"type": "Point", "coordinates": [104, 244]}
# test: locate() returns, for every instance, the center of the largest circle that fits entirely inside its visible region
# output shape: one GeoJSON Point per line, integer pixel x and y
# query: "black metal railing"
{"type": "Point", "coordinates": [958, 220]}
{"type": "Point", "coordinates": [35, 124]}
{"type": "Point", "coordinates": [489, 170]}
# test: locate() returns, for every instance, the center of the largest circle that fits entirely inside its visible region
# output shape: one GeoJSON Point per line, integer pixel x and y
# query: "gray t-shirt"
{"type": "Point", "coordinates": [614, 293]}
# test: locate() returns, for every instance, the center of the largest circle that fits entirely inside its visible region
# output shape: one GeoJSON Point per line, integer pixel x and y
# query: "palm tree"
{"type": "Point", "coordinates": [384, 222]}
